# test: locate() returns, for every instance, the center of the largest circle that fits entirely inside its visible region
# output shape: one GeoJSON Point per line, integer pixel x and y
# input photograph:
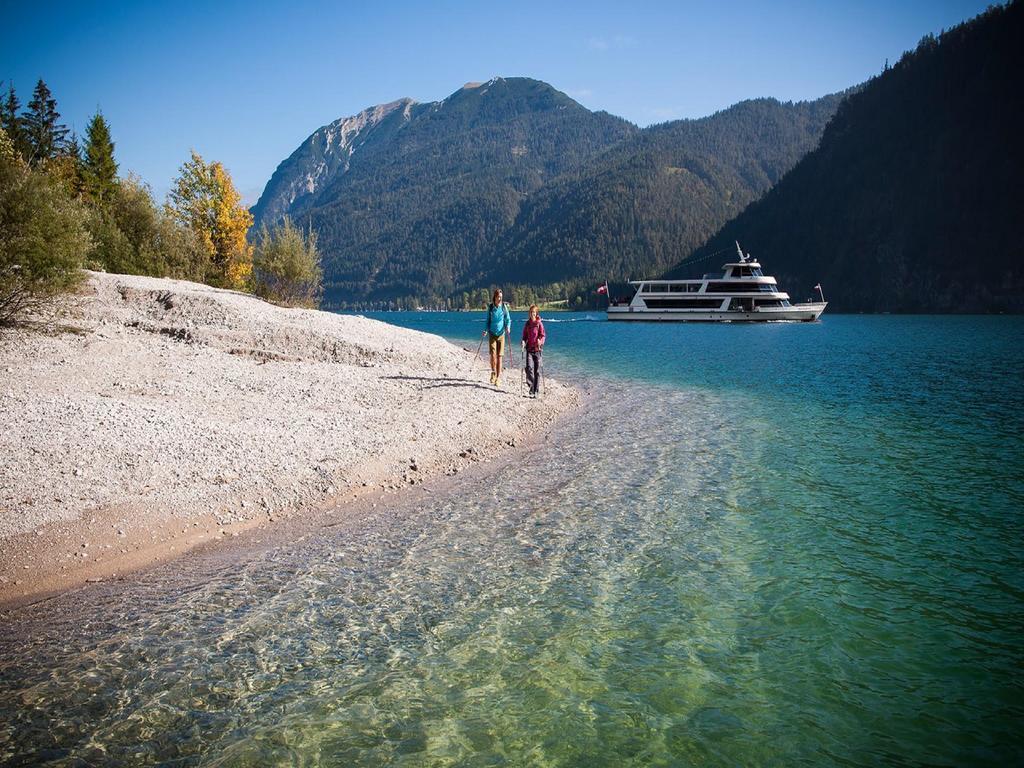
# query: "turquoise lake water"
{"type": "Point", "coordinates": [786, 544]}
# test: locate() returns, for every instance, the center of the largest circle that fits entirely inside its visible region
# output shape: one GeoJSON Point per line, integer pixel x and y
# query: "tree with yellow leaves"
{"type": "Point", "coordinates": [205, 200]}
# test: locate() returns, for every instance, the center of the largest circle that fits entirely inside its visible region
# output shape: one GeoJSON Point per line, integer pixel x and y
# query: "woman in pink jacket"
{"type": "Point", "coordinates": [533, 346]}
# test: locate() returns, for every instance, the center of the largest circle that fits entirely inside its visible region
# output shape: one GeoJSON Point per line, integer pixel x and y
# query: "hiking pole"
{"type": "Point", "coordinates": [522, 367]}
{"type": "Point", "coordinates": [541, 382]}
{"type": "Point", "coordinates": [477, 355]}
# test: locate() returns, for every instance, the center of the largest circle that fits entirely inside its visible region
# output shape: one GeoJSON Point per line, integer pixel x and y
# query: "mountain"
{"type": "Point", "coordinates": [912, 201]}
{"type": "Point", "coordinates": [657, 195]}
{"type": "Point", "coordinates": [407, 198]}
{"type": "Point", "coordinates": [325, 155]}
{"type": "Point", "coordinates": [512, 181]}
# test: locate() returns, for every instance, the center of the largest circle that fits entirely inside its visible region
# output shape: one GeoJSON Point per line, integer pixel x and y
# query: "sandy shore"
{"type": "Point", "coordinates": [171, 415]}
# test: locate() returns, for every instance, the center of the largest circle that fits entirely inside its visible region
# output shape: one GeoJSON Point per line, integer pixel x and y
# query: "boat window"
{"type": "Point", "coordinates": [683, 303]}
{"type": "Point", "coordinates": [731, 288]}
{"type": "Point", "coordinates": [693, 288]}
{"type": "Point", "coordinates": [659, 288]}
{"type": "Point", "coordinates": [768, 287]}
{"type": "Point", "coordinates": [678, 288]}
{"type": "Point", "coordinates": [756, 272]}
{"type": "Point", "coordinates": [767, 303]}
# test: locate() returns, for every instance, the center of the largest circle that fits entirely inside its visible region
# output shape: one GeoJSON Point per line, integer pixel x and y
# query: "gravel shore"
{"type": "Point", "coordinates": [169, 414]}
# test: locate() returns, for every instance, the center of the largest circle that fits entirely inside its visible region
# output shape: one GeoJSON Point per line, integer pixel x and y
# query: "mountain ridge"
{"type": "Point", "coordinates": [346, 130]}
{"type": "Point", "coordinates": [719, 163]}
{"type": "Point", "coordinates": [424, 201]}
{"type": "Point", "coordinates": [427, 192]}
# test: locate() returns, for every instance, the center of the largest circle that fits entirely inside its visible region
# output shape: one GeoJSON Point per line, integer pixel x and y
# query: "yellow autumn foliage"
{"type": "Point", "coordinates": [205, 199]}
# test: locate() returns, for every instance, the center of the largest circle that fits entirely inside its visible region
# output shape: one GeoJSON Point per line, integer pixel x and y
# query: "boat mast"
{"type": "Point", "coordinates": [740, 251]}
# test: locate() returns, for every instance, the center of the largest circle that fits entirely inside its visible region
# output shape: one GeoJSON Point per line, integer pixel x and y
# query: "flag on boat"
{"type": "Point", "coordinates": [603, 288]}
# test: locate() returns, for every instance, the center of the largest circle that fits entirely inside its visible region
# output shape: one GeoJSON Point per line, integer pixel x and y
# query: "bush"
{"type": "Point", "coordinates": [286, 266]}
{"type": "Point", "coordinates": [135, 237]}
{"type": "Point", "coordinates": [43, 239]}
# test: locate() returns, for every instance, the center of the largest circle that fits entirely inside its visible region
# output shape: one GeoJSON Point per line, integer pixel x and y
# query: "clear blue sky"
{"type": "Point", "coordinates": [245, 83]}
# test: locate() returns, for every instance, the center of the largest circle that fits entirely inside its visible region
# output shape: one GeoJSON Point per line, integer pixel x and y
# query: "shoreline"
{"type": "Point", "coordinates": [180, 417]}
{"type": "Point", "coordinates": [261, 535]}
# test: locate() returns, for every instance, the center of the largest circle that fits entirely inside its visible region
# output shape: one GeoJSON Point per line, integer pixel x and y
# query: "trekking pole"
{"type": "Point", "coordinates": [508, 338]}
{"type": "Point", "coordinates": [522, 367]}
{"type": "Point", "coordinates": [476, 356]}
{"type": "Point", "coordinates": [541, 380]}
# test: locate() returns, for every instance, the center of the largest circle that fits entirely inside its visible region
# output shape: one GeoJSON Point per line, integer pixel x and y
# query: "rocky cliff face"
{"type": "Point", "coordinates": [326, 154]}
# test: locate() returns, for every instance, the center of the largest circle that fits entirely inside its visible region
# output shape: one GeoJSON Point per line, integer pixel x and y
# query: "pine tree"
{"type": "Point", "coordinates": [11, 123]}
{"type": "Point", "coordinates": [73, 148]}
{"type": "Point", "coordinates": [99, 169]}
{"type": "Point", "coordinates": [45, 136]}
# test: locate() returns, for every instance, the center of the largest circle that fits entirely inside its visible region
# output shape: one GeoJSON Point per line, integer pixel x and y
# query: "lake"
{"type": "Point", "coordinates": [757, 545]}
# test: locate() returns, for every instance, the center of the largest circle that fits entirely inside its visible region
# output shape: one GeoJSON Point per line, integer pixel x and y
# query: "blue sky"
{"type": "Point", "coordinates": [245, 83]}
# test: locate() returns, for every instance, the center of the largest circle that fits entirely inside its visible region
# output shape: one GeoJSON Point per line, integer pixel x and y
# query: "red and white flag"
{"type": "Point", "coordinates": [603, 288]}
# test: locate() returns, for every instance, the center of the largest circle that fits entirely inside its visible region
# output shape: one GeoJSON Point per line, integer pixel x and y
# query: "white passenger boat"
{"type": "Point", "coordinates": [739, 293]}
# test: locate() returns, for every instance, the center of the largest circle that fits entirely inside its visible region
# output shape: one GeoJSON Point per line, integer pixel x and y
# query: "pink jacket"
{"type": "Point", "coordinates": [533, 335]}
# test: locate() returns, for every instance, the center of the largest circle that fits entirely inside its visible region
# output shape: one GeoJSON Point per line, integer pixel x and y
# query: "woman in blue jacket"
{"type": "Point", "coordinates": [499, 325]}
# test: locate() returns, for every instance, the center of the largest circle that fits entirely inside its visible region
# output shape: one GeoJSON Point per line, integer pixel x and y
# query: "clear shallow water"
{"type": "Point", "coordinates": [763, 545]}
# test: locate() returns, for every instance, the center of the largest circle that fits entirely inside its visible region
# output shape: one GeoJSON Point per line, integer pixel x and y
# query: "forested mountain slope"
{"type": "Point", "coordinates": [513, 181]}
{"type": "Point", "coordinates": [639, 207]}
{"type": "Point", "coordinates": [410, 203]}
{"type": "Point", "coordinates": [913, 200]}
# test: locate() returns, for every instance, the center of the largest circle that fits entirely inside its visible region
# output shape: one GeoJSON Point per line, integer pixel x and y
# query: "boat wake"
{"type": "Point", "coordinates": [587, 319]}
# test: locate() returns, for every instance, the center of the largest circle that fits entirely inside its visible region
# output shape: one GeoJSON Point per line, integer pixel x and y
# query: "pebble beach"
{"type": "Point", "coordinates": [164, 415]}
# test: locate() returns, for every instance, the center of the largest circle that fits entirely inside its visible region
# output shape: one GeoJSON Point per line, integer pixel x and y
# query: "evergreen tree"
{"type": "Point", "coordinates": [11, 123]}
{"type": "Point", "coordinates": [73, 148]}
{"type": "Point", "coordinates": [99, 169]}
{"type": "Point", "coordinates": [45, 136]}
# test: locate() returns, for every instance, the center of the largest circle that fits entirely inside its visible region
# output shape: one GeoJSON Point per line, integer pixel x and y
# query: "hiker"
{"type": "Point", "coordinates": [499, 325]}
{"type": "Point", "coordinates": [533, 345]}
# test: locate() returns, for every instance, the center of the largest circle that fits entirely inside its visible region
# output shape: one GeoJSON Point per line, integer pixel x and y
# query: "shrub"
{"type": "Point", "coordinates": [133, 236]}
{"type": "Point", "coordinates": [43, 239]}
{"type": "Point", "coordinates": [286, 266]}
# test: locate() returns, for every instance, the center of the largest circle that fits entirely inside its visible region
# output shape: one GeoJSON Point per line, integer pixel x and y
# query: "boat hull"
{"type": "Point", "coordinates": [795, 313]}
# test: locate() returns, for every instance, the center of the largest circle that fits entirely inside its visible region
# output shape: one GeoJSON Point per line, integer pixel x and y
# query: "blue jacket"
{"type": "Point", "coordinates": [498, 319]}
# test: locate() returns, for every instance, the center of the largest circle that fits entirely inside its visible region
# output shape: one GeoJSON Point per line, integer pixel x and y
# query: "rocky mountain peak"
{"type": "Point", "coordinates": [323, 156]}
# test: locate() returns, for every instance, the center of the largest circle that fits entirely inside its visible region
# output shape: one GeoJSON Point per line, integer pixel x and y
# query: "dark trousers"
{"type": "Point", "coordinates": [533, 361]}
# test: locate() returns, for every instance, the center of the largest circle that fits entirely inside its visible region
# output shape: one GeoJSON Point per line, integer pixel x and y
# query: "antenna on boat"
{"type": "Point", "coordinates": [740, 251]}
